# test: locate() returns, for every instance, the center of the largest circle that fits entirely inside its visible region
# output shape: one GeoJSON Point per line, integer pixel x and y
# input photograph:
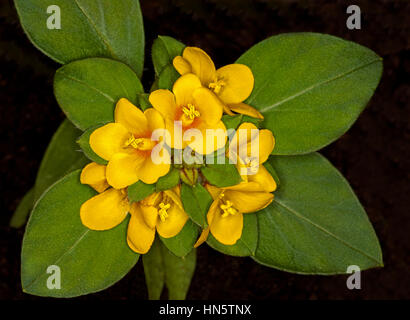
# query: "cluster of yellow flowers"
{"type": "Point", "coordinates": [198, 100]}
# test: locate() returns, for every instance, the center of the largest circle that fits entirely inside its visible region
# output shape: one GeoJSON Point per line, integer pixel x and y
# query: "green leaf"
{"type": "Point", "coordinates": [99, 28]}
{"type": "Point", "coordinates": [315, 224]}
{"type": "Point", "coordinates": [61, 157]}
{"type": "Point", "coordinates": [184, 241]}
{"type": "Point", "coordinates": [310, 87]}
{"type": "Point", "coordinates": [143, 101]}
{"type": "Point", "coordinates": [170, 180]}
{"type": "Point", "coordinates": [140, 190]}
{"type": "Point", "coordinates": [88, 90]}
{"type": "Point", "coordinates": [84, 143]}
{"type": "Point", "coordinates": [221, 175]}
{"type": "Point", "coordinates": [246, 245]}
{"type": "Point", "coordinates": [272, 172]}
{"type": "Point", "coordinates": [161, 266]}
{"type": "Point", "coordinates": [167, 78]}
{"type": "Point", "coordinates": [196, 201]}
{"type": "Point", "coordinates": [164, 50]}
{"type": "Point", "coordinates": [154, 270]}
{"type": "Point", "coordinates": [20, 216]}
{"type": "Point", "coordinates": [232, 122]}
{"type": "Point", "coordinates": [89, 260]}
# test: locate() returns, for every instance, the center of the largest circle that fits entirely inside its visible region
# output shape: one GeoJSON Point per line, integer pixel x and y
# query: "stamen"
{"type": "Point", "coordinates": [217, 86]}
{"type": "Point", "coordinates": [163, 214]}
{"type": "Point", "coordinates": [190, 111]}
{"type": "Point", "coordinates": [139, 143]}
{"type": "Point", "coordinates": [228, 209]}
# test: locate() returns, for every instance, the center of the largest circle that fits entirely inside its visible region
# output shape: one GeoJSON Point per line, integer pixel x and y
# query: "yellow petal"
{"type": "Point", "coordinates": [104, 211]}
{"type": "Point", "coordinates": [238, 80]}
{"type": "Point", "coordinates": [139, 236]}
{"type": "Point", "coordinates": [154, 119]}
{"type": "Point", "coordinates": [175, 195]}
{"type": "Point", "coordinates": [209, 106]}
{"type": "Point", "coordinates": [266, 144]}
{"type": "Point", "coordinates": [149, 172]}
{"type": "Point", "coordinates": [201, 64]}
{"type": "Point", "coordinates": [247, 202]}
{"type": "Point", "coordinates": [213, 191]}
{"type": "Point", "coordinates": [182, 65]}
{"type": "Point", "coordinates": [246, 109]}
{"type": "Point", "coordinates": [227, 230]}
{"type": "Point", "coordinates": [150, 215]}
{"type": "Point", "coordinates": [108, 140]}
{"type": "Point", "coordinates": [246, 187]}
{"type": "Point", "coordinates": [122, 169]}
{"type": "Point", "coordinates": [131, 117]}
{"type": "Point", "coordinates": [93, 174]}
{"type": "Point", "coordinates": [202, 238]}
{"type": "Point", "coordinates": [263, 178]}
{"type": "Point", "coordinates": [164, 102]}
{"type": "Point", "coordinates": [184, 87]}
{"type": "Point", "coordinates": [174, 223]}
{"type": "Point", "coordinates": [213, 137]}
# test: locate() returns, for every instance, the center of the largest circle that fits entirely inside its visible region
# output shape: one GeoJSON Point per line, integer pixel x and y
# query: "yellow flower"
{"type": "Point", "coordinates": [107, 209]}
{"type": "Point", "coordinates": [127, 146]}
{"type": "Point", "coordinates": [251, 168]}
{"type": "Point", "coordinates": [232, 83]}
{"type": "Point", "coordinates": [190, 106]}
{"type": "Point", "coordinates": [225, 216]}
{"type": "Point", "coordinates": [160, 211]}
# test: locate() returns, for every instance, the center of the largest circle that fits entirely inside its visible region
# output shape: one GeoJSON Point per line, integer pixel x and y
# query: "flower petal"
{"type": "Point", "coordinates": [238, 80]}
{"type": "Point", "coordinates": [266, 144]}
{"type": "Point", "coordinates": [215, 132]}
{"type": "Point", "coordinates": [182, 65]}
{"type": "Point", "coordinates": [184, 87]}
{"type": "Point", "coordinates": [150, 215]}
{"type": "Point", "coordinates": [209, 105]}
{"type": "Point", "coordinates": [149, 172]}
{"type": "Point", "coordinates": [263, 178]}
{"type": "Point", "coordinates": [248, 202]}
{"type": "Point", "coordinates": [122, 169]}
{"type": "Point", "coordinates": [213, 191]}
{"type": "Point", "coordinates": [108, 140]}
{"type": "Point", "coordinates": [246, 109]}
{"type": "Point", "coordinates": [227, 230]}
{"type": "Point", "coordinates": [202, 238]}
{"type": "Point", "coordinates": [154, 119]}
{"type": "Point", "coordinates": [174, 223]}
{"type": "Point", "coordinates": [93, 174]}
{"type": "Point", "coordinates": [139, 236]}
{"type": "Point", "coordinates": [131, 117]}
{"type": "Point", "coordinates": [104, 211]}
{"type": "Point", "coordinates": [201, 64]}
{"type": "Point", "coordinates": [164, 102]}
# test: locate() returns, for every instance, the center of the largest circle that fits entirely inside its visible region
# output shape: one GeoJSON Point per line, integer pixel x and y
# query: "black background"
{"type": "Point", "coordinates": [373, 155]}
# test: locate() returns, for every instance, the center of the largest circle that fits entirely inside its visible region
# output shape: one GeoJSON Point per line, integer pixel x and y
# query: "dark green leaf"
{"type": "Point", "coordinates": [184, 241]}
{"type": "Point", "coordinates": [89, 260]}
{"type": "Point", "coordinates": [20, 216]}
{"type": "Point", "coordinates": [310, 87]}
{"type": "Point", "coordinates": [61, 157]}
{"type": "Point", "coordinates": [143, 101]}
{"type": "Point", "coordinates": [164, 50]}
{"type": "Point", "coordinates": [315, 224]}
{"type": "Point", "coordinates": [88, 90]}
{"type": "Point", "coordinates": [99, 28]}
{"type": "Point", "coordinates": [272, 172]}
{"type": "Point", "coordinates": [140, 190]}
{"type": "Point", "coordinates": [160, 266]}
{"type": "Point", "coordinates": [167, 78]}
{"type": "Point", "coordinates": [246, 245]}
{"type": "Point", "coordinates": [221, 175]}
{"type": "Point", "coordinates": [170, 180]}
{"type": "Point", "coordinates": [232, 122]}
{"type": "Point", "coordinates": [196, 201]}
{"type": "Point", "coordinates": [154, 270]}
{"type": "Point", "coordinates": [84, 142]}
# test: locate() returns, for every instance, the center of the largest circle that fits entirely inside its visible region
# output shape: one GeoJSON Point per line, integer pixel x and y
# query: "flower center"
{"type": "Point", "coordinates": [140, 143]}
{"type": "Point", "coordinates": [163, 211]}
{"type": "Point", "coordinates": [252, 165]}
{"type": "Point", "coordinates": [189, 114]}
{"type": "Point", "coordinates": [217, 85]}
{"type": "Point", "coordinates": [227, 207]}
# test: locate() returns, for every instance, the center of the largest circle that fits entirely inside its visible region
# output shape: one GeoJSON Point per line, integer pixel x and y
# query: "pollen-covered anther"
{"type": "Point", "coordinates": [163, 211]}
{"type": "Point", "coordinates": [228, 209]}
{"type": "Point", "coordinates": [217, 86]}
{"type": "Point", "coordinates": [140, 143]}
